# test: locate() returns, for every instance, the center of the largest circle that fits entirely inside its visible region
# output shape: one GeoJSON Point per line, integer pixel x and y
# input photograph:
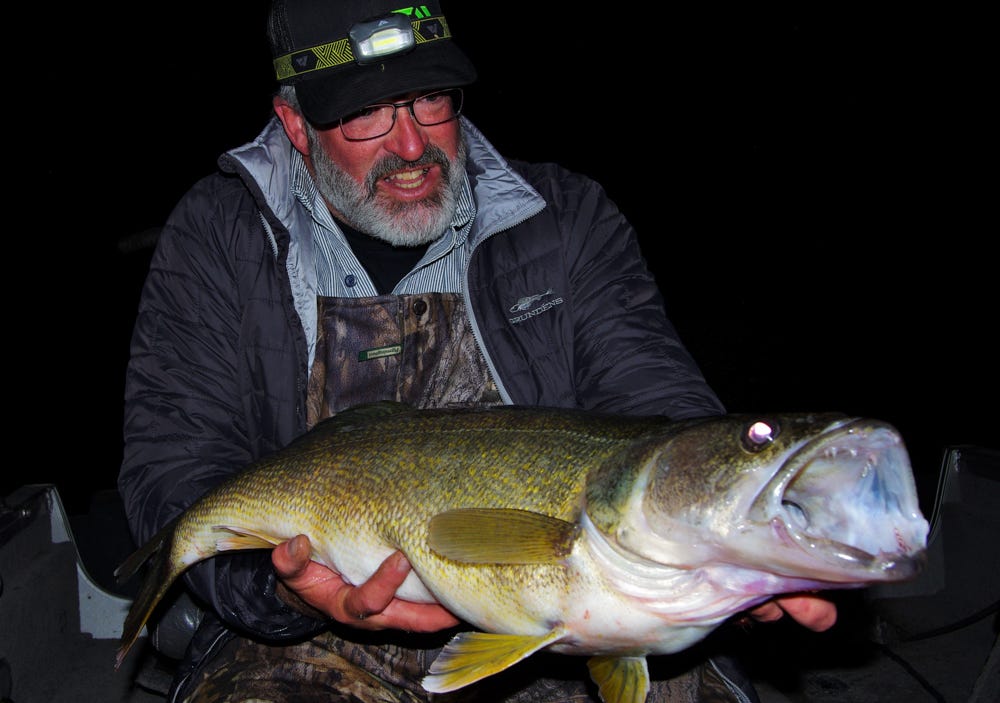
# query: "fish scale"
{"type": "Point", "coordinates": [582, 533]}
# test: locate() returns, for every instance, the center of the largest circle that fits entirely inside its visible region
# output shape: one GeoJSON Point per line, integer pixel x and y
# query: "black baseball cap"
{"type": "Point", "coordinates": [313, 44]}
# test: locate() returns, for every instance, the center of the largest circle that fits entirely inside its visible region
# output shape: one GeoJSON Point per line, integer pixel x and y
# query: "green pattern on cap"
{"type": "Point", "coordinates": [337, 53]}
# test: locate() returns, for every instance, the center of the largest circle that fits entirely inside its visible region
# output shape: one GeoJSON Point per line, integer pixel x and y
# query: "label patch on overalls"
{"type": "Point", "coordinates": [380, 352]}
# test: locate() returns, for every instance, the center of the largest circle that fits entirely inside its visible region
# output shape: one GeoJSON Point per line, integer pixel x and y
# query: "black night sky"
{"type": "Point", "coordinates": [808, 183]}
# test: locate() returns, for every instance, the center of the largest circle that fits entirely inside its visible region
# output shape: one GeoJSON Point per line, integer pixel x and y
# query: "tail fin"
{"type": "Point", "coordinates": [157, 581]}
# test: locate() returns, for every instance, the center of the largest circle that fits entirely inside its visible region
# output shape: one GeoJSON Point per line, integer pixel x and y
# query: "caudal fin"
{"type": "Point", "coordinates": [158, 579]}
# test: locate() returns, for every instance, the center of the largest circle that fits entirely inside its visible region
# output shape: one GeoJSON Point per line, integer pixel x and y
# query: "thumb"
{"type": "Point", "coordinates": [291, 558]}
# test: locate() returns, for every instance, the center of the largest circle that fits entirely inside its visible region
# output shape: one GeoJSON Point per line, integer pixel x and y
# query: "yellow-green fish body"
{"type": "Point", "coordinates": [606, 536]}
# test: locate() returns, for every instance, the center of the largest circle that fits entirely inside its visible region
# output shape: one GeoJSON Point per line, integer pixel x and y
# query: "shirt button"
{"type": "Point", "coordinates": [350, 280]}
{"type": "Point", "coordinates": [419, 306]}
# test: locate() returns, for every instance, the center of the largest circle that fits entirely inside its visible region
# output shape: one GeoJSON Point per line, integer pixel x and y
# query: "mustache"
{"type": "Point", "coordinates": [433, 156]}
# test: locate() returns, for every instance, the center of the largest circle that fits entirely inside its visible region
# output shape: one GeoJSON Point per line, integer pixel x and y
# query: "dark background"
{"type": "Point", "coordinates": [808, 185]}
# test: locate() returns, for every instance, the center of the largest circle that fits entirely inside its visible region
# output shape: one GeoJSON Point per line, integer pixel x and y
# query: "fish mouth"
{"type": "Point", "coordinates": [844, 507]}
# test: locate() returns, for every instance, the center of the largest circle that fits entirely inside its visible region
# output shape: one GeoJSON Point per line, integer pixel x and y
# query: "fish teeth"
{"type": "Point", "coordinates": [871, 461]}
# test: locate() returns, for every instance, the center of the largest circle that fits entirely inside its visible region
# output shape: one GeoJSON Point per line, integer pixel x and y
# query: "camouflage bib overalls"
{"type": "Point", "coordinates": [417, 349]}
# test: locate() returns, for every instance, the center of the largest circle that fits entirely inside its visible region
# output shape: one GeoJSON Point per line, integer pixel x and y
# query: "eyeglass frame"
{"type": "Point", "coordinates": [408, 104]}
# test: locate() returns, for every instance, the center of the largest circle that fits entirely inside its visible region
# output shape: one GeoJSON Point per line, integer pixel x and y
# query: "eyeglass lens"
{"type": "Point", "coordinates": [431, 109]}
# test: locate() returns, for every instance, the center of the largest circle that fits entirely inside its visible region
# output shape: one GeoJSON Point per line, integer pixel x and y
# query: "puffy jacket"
{"type": "Point", "coordinates": [562, 304]}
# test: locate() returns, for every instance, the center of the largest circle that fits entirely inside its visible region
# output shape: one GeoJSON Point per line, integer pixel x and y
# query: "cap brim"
{"type": "Point", "coordinates": [327, 97]}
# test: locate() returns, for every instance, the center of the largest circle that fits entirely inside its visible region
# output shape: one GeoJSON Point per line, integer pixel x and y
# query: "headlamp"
{"type": "Point", "coordinates": [367, 42]}
{"type": "Point", "coordinates": [385, 36]}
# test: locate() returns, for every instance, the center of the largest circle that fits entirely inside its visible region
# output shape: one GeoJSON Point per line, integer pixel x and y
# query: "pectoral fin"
{"type": "Point", "coordinates": [471, 656]}
{"type": "Point", "coordinates": [242, 538]}
{"type": "Point", "coordinates": [620, 679]}
{"type": "Point", "coordinates": [500, 536]}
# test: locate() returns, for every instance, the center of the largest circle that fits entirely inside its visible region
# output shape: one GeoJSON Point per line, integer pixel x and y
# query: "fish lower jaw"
{"type": "Point", "coordinates": [822, 561]}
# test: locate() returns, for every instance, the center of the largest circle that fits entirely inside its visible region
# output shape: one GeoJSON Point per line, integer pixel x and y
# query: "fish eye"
{"type": "Point", "coordinates": [759, 434]}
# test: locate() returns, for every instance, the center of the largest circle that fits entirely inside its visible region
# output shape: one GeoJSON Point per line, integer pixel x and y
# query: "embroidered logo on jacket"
{"type": "Point", "coordinates": [531, 305]}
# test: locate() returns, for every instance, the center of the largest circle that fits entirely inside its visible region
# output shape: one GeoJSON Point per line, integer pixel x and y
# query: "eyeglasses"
{"type": "Point", "coordinates": [377, 120]}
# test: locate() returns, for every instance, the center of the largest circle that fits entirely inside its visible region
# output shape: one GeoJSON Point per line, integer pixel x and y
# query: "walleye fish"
{"type": "Point", "coordinates": [581, 533]}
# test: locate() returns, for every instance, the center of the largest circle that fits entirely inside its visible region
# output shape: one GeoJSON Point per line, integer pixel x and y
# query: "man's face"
{"type": "Point", "coordinates": [401, 187]}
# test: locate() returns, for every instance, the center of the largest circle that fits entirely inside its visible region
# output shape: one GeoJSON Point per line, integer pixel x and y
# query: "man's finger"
{"type": "Point", "coordinates": [817, 614]}
{"type": "Point", "coordinates": [377, 592]}
{"type": "Point", "coordinates": [767, 612]}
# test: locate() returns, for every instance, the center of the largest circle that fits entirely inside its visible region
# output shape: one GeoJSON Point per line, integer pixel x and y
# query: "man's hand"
{"type": "Point", "coordinates": [371, 605]}
{"type": "Point", "coordinates": [818, 614]}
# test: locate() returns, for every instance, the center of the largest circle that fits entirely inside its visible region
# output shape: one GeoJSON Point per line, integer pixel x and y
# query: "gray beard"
{"type": "Point", "coordinates": [407, 224]}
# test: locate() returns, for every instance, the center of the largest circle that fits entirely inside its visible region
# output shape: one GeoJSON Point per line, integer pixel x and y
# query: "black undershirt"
{"type": "Point", "coordinates": [386, 264]}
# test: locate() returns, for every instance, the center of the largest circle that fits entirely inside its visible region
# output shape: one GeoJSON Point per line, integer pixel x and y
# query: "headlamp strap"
{"type": "Point", "coordinates": [336, 53]}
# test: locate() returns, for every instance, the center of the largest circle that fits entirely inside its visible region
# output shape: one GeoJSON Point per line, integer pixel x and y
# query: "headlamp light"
{"type": "Point", "coordinates": [385, 36]}
{"type": "Point", "coordinates": [367, 42]}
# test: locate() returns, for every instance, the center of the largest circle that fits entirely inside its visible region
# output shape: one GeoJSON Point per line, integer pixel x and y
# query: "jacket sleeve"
{"type": "Point", "coordinates": [185, 427]}
{"type": "Point", "coordinates": [626, 355]}
{"type": "Point", "coordinates": [630, 351]}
